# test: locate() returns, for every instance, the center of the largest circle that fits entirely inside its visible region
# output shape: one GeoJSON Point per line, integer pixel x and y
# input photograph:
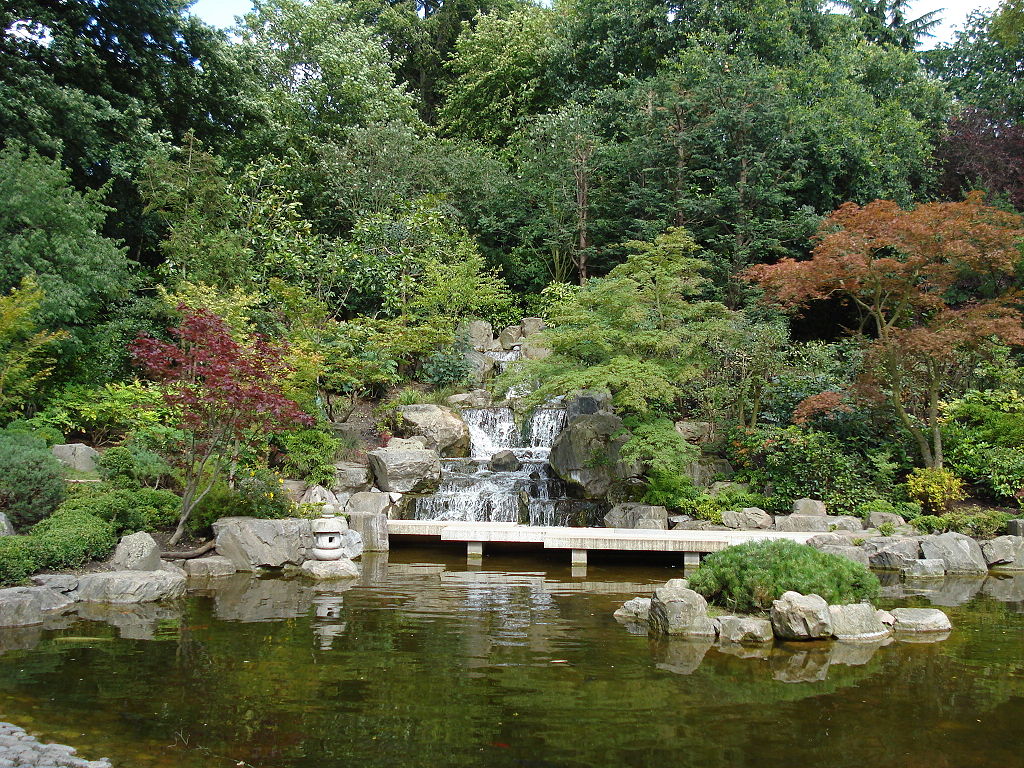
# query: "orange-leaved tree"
{"type": "Point", "coordinates": [905, 271]}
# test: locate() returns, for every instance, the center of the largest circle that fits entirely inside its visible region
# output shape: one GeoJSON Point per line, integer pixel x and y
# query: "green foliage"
{"type": "Point", "coordinates": [127, 510]}
{"type": "Point", "coordinates": [309, 455]}
{"type": "Point", "coordinates": [908, 510]}
{"type": "Point", "coordinates": [794, 463]}
{"type": "Point", "coordinates": [935, 489]}
{"type": "Point", "coordinates": [104, 413]}
{"type": "Point", "coordinates": [130, 465]}
{"type": "Point", "coordinates": [258, 494]}
{"type": "Point", "coordinates": [70, 537]}
{"type": "Point", "coordinates": [32, 480]}
{"type": "Point", "coordinates": [984, 432]}
{"type": "Point", "coordinates": [748, 577]}
{"type": "Point", "coordinates": [655, 443]}
{"type": "Point", "coordinates": [970, 522]}
{"type": "Point", "coordinates": [24, 348]}
{"type": "Point", "coordinates": [18, 559]}
{"type": "Point", "coordinates": [448, 368]}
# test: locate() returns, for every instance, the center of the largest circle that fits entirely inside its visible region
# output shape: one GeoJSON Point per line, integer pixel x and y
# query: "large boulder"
{"type": "Point", "coordinates": [696, 432]}
{"type": "Point", "coordinates": [960, 553]}
{"type": "Point", "coordinates": [1015, 527]}
{"type": "Point", "coordinates": [251, 543]}
{"type": "Point", "coordinates": [375, 503]}
{"type": "Point", "coordinates": [802, 523]}
{"type": "Point", "coordinates": [855, 554]}
{"type": "Point", "coordinates": [78, 456]}
{"type": "Point", "coordinates": [481, 366]}
{"type": "Point", "coordinates": [706, 470]}
{"type": "Point", "coordinates": [511, 337]}
{"type": "Point", "coordinates": [372, 527]}
{"type": "Point", "coordinates": [744, 629]}
{"type": "Point", "coordinates": [635, 611]}
{"type": "Point", "coordinates": [747, 518]}
{"type": "Point", "coordinates": [856, 621]}
{"type": "Point", "coordinates": [920, 620]}
{"type": "Point", "coordinates": [478, 333]}
{"type": "Point", "coordinates": [130, 586]}
{"type": "Point", "coordinates": [137, 552]}
{"type": "Point", "coordinates": [587, 454]}
{"type": "Point", "coordinates": [1004, 553]}
{"type": "Point", "coordinates": [351, 477]}
{"type": "Point", "coordinates": [587, 403]}
{"type": "Point", "coordinates": [6, 527]}
{"type": "Point", "coordinates": [504, 461]}
{"type": "Point", "coordinates": [678, 610]}
{"type": "Point", "coordinates": [878, 519]}
{"type": "Point", "coordinates": [209, 567]}
{"type": "Point", "coordinates": [23, 606]}
{"type": "Point", "coordinates": [477, 398]}
{"type": "Point", "coordinates": [532, 325]}
{"type": "Point", "coordinates": [444, 429]}
{"type": "Point", "coordinates": [333, 570]}
{"type": "Point", "coordinates": [809, 507]}
{"type": "Point", "coordinates": [646, 516]}
{"type": "Point", "coordinates": [406, 470]}
{"type": "Point", "coordinates": [925, 569]}
{"type": "Point", "coordinates": [801, 617]}
{"type": "Point", "coordinates": [893, 554]}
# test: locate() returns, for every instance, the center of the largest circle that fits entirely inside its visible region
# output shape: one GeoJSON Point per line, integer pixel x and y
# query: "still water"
{"type": "Point", "coordinates": [426, 662]}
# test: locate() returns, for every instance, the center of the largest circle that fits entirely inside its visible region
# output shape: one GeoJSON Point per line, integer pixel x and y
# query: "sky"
{"type": "Point", "coordinates": [221, 13]}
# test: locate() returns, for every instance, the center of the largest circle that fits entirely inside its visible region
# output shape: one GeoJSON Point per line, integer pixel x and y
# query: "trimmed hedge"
{"type": "Point", "coordinates": [66, 539]}
{"type": "Point", "coordinates": [32, 480]}
{"type": "Point", "coordinates": [748, 577]}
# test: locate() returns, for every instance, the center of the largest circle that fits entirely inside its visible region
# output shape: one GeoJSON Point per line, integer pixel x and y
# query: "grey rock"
{"type": "Point", "coordinates": [696, 432]}
{"type": "Point", "coordinates": [1015, 527]}
{"type": "Point", "coordinates": [747, 518]}
{"type": "Point", "coordinates": [78, 456]}
{"type": "Point", "coordinates": [372, 528]}
{"type": "Point", "coordinates": [892, 553]}
{"type": "Point", "coordinates": [59, 582]}
{"type": "Point", "coordinates": [252, 544]}
{"type": "Point", "coordinates": [890, 559]}
{"type": "Point", "coordinates": [209, 567]}
{"type": "Point", "coordinates": [323, 570]}
{"type": "Point", "coordinates": [704, 471]}
{"type": "Point", "coordinates": [925, 569]}
{"type": "Point", "coordinates": [532, 325]}
{"type": "Point", "coordinates": [510, 337]}
{"type": "Point", "coordinates": [402, 470]}
{"type": "Point", "coordinates": [317, 495]}
{"type": "Point", "coordinates": [413, 443]}
{"type": "Point", "coordinates": [387, 504]}
{"type": "Point", "coordinates": [587, 454]}
{"type": "Point", "coordinates": [504, 461]}
{"type": "Point", "coordinates": [677, 610]}
{"type": "Point", "coordinates": [294, 489]}
{"type": "Point", "coordinates": [886, 618]}
{"type": "Point", "coordinates": [856, 554]}
{"type": "Point", "coordinates": [481, 366]}
{"type": "Point", "coordinates": [477, 398]}
{"type": "Point", "coordinates": [802, 523]}
{"type": "Point", "coordinates": [479, 334]}
{"type": "Point", "coordinates": [961, 554]}
{"type": "Point", "coordinates": [856, 621]}
{"type": "Point", "coordinates": [1004, 552]}
{"type": "Point", "coordinates": [130, 586]}
{"type": "Point", "coordinates": [831, 539]}
{"type": "Point", "coordinates": [6, 527]}
{"type": "Point", "coordinates": [635, 611]}
{"type": "Point", "coordinates": [534, 349]}
{"type": "Point", "coordinates": [878, 519]}
{"type": "Point", "coordinates": [744, 629]}
{"type": "Point", "coordinates": [351, 477]}
{"type": "Point", "coordinates": [801, 617]}
{"type": "Point", "coordinates": [920, 620]}
{"type": "Point", "coordinates": [443, 428]}
{"type": "Point", "coordinates": [23, 606]}
{"type": "Point", "coordinates": [137, 552]}
{"type": "Point", "coordinates": [681, 656]}
{"type": "Point", "coordinates": [674, 521]}
{"type": "Point", "coordinates": [809, 507]}
{"type": "Point", "coordinates": [587, 403]}
{"type": "Point", "coordinates": [632, 515]}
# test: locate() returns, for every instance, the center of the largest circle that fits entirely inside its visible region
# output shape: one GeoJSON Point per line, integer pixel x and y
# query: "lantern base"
{"type": "Point", "coordinates": [327, 554]}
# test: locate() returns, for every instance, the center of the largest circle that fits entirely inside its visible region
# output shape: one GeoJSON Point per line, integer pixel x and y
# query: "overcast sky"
{"type": "Point", "coordinates": [221, 13]}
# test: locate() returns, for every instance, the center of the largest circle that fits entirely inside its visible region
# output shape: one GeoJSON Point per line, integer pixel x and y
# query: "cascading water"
{"type": "Point", "coordinates": [471, 491]}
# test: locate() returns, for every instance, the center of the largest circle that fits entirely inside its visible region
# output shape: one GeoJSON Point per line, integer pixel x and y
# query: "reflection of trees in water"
{"type": "Point", "coordinates": [434, 671]}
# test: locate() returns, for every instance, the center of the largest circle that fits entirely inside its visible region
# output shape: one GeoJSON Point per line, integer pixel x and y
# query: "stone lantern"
{"type": "Point", "coordinates": [328, 535]}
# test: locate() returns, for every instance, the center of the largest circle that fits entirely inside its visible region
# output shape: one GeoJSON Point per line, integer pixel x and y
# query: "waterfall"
{"type": "Point", "coordinates": [532, 494]}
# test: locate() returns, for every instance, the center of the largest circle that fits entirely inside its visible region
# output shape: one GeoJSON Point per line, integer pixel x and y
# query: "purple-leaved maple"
{"type": "Point", "coordinates": [225, 395]}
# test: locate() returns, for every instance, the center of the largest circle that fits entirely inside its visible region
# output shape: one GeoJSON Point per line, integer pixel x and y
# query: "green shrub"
{"type": "Point", "coordinates": [31, 480]}
{"type": "Point", "coordinates": [447, 368]}
{"type": "Point", "coordinates": [669, 489]}
{"type": "Point", "coordinates": [970, 522]}
{"type": "Point", "coordinates": [935, 489]}
{"type": "Point", "coordinates": [984, 435]}
{"type": "Point", "coordinates": [258, 495]}
{"type": "Point", "coordinates": [907, 509]}
{"type": "Point", "coordinates": [104, 413]}
{"type": "Point", "coordinates": [17, 559]}
{"type": "Point", "coordinates": [68, 538]}
{"type": "Point", "coordinates": [117, 466]}
{"type": "Point", "coordinates": [309, 455]}
{"type": "Point", "coordinates": [127, 510]}
{"type": "Point", "coordinates": [702, 507]}
{"type": "Point", "coordinates": [794, 463]}
{"type": "Point", "coordinates": [748, 577]}
{"type": "Point", "coordinates": [49, 435]}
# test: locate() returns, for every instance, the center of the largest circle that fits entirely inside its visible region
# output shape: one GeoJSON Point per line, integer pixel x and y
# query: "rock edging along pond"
{"type": "Point", "coordinates": [675, 610]}
{"type": "Point", "coordinates": [19, 749]}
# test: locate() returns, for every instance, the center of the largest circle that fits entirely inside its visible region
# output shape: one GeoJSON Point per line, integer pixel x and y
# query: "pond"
{"type": "Point", "coordinates": [429, 662]}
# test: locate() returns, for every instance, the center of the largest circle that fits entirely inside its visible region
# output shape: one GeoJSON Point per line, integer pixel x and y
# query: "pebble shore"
{"type": "Point", "coordinates": [19, 749]}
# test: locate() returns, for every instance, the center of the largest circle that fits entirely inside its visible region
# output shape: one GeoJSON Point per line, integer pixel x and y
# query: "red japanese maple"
{"type": "Point", "coordinates": [227, 396]}
{"type": "Point", "coordinates": [905, 270]}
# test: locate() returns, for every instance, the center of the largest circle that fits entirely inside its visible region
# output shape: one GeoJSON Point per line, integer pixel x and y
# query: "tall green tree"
{"type": "Point", "coordinates": [888, 22]}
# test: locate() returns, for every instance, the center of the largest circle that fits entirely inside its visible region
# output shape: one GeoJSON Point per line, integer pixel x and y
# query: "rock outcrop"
{"type": "Point", "coordinates": [747, 518]}
{"type": "Point", "coordinates": [406, 470]}
{"type": "Point", "coordinates": [1004, 553]}
{"type": "Point", "coordinates": [960, 553]}
{"type": "Point", "coordinates": [251, 544]}
{"type": "Point", "coordinates": [24, 606]}
{"type": "Point", "coordinates": [130, 586]}
{"type": "Point", "coordinates": [78, 456]}
{"type": "Point", "coordinates": [633, 515]}
{"type": "Point", "coordinates": [443, 428]}
{"type": "Point", "coordinates": [137, 552]}
{"type": "Point", "coordinates": [678, 610]}
{"type": "Point", "coordinates": [587, 454]}
{"type": "Point", "coordinates": [801, 617]}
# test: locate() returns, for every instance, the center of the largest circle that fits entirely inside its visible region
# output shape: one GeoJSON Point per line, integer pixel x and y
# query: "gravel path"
{"type": "Point", "coordinates": [19, 749]}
